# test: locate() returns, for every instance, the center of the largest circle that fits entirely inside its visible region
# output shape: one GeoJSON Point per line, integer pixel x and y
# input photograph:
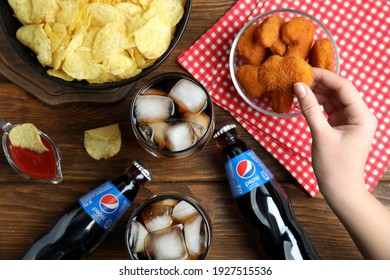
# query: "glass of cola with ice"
{"type": "Point", "coordinates": [172, 116]}
{"type": "Point", "coordinates": [168, 226]}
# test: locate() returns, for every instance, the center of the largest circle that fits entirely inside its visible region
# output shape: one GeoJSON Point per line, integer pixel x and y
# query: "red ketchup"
{"type": "Point", "coordinates": [42, 166]}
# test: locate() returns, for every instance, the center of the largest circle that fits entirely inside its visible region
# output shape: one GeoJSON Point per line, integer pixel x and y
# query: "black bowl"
{"type": "Point", "coordinates": [10, 24]}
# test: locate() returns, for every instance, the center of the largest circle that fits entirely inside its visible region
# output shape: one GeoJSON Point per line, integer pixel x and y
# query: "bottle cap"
{"type": "Point", "coordinates": [143, 170]}
{"type": "Point", "coordinates": [223, 129]}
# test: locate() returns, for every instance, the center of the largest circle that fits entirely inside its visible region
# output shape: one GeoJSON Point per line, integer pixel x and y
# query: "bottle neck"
{"type": "Point", "coordinates": [130, 182]}
{"type": "Point", "coordinates": [231, 145]}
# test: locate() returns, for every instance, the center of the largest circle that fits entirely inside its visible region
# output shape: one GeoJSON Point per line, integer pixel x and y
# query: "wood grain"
{"type": "Point", "coordinates": [28, 208]}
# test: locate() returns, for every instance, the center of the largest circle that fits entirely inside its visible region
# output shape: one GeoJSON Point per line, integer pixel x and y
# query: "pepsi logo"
{"type": "Point", "coordinates": [245, 169]}
{"type": "Point", "coordinates": [109, 203]}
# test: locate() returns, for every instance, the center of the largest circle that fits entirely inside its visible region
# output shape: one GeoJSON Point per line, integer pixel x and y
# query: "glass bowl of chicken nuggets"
{"type": "Point", "coordinates": [94, 44]}
{"type": "Point", "coordinates": [273, 51]}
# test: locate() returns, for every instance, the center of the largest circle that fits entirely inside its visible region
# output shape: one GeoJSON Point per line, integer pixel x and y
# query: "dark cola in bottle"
{"type": "Point", "coordinates": [262, 201]}
{"type": "Point", "coordinates": [84, 225]}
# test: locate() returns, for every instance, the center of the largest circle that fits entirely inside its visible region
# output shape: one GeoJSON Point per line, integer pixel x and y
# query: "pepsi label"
{"type": "Point", "coordinates": [246, 172]}
{"type": "Point", "coordinates": [105, 204]}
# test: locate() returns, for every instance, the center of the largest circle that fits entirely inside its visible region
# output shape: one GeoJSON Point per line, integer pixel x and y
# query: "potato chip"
{"type": "Point", "coordinates": [144, 3]}
{"type": "Point", "coordinates": [60, 74]}
{"type": "Point", "coordinates": [121, 65]}
{"type": "Point", "coordinates": [34, 37]}
{"type": "Point", "coordinates": [110, 39]}
{"type": "Point", "coordinates": [57, 34]}
{"type": "Point", "coordinates": [22, 10]}
{"type": "Point", "coordinates": [103, 142]}
{"type": "Point", "coordinates": [44, 11]}
{"type": "Point", "coordinates": [27, 136]}
{"type": "Point", "coordinates": [69, 12]}
{"type": "Point", "coordinates": [133, 14]}
{"type": "Point", "coordinates": [153, 38]}
{"type": "Point", "coordinates": [82, 21]}
{"type": "Point", "coordinates": [170, 10]}
{"type": "Point", "coordinates": [101, 14]}
{"type": "Point", "coordinates": [80, 65]}
{"type": "Point", "coordinates": [141, 61]}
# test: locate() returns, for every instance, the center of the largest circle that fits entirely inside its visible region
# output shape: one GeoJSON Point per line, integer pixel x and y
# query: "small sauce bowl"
{"type": "Point", "coordinates": [43, 167]}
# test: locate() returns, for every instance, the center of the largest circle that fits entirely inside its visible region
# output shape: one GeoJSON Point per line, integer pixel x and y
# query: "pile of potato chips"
{"type": "Point", "coordinates": [97, 41]}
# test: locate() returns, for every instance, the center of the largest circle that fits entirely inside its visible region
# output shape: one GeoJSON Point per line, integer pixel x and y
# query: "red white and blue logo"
{"type": "Point", "coordinates": [245, 169]}
{"type": "Point", "coordinates": [109, 203]}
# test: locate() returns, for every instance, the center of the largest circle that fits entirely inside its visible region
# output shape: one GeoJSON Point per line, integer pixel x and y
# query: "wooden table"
{"type": "Point", "coordinates": [27, 208]}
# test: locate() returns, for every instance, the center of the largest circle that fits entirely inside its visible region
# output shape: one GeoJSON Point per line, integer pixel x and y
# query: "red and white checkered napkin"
{"type": "Point", "coordinates": [360, 29]}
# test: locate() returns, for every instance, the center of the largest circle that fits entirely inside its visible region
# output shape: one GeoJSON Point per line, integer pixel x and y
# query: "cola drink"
{"type": "Point", "coordinates": [84, 225]}
{"type": "Point", "coordinates": [169, 226]}
{"type": "Point", "coordinates": [172, 116]}
{"type": "Point", "coordinates": [262, 200]}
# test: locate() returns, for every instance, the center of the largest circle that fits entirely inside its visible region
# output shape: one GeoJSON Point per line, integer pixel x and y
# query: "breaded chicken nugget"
{"type": "Point", "coordinates": [268, 35]}
{"type": "Point", "coordinates": [281, 101]}
{"type": "Point", "coordinates": [247, 77]}
{"type": "Point", "coordinates": [321, 55]}
{"type": "Point", "coordinates": [298, 34]}
{"type": "Point", "coordinates": [248, 48]}
{"type": "Point", "coordinates": [280, 73]}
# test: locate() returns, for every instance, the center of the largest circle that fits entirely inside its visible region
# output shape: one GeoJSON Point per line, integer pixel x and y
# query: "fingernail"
{"type": "Point", "coordinates": [299, 90]}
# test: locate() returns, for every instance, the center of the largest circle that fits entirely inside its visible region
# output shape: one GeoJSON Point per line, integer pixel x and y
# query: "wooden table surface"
{"type": "Point", "coordinates": [28, 208]}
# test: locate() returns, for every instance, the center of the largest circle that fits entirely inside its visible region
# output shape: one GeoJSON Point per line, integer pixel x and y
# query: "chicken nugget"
{"type": "Point", "coordinates": [281, 101]}
{"type": "Point", "coordinates": [298, 34]}
{"type": "Point", "coordinates": [268, 35]}
{"type": "Point", "coordinates": [247, 77]}
{"type": "Point", "coordinates": [280, 73]}
{"type": "Point", "coordinates": [248, 48]}
{"type": "Point", "coordinates": [321, 55]}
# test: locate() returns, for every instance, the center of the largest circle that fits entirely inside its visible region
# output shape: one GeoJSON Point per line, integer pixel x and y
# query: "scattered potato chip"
{"type": "Point", "coordinates": [111, 40]}
{"type": "Point", "coordinates": [27, 136]}
{"type": "Point", "coordinates": [103, 142]}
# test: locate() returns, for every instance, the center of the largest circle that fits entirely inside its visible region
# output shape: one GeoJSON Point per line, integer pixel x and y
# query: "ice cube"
{"type": "Point", "coordinates": [153, 108]}
{"type": "Point", "coordinates": [137, 237]}
{"type": "Point", "coordinates": [157, 217]}
{"type": "Point", "coordinates": [167, 202]}
{"type": "Point", "coordinates": [180, 136]}
{"type": "Point", "coordinates": [188, 96]}
{"type": "Point", "coordinates": [166, 244]}
{"type": "Point", "coordinates": [199, 123]}
{"type": "Point", "coordinates": [195, 235]}
{"type": "Point", "coordinates": [183, 211]}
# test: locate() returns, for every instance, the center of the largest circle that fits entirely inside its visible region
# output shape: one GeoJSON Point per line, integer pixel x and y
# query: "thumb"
{"type": "Point", "coordinates": [310, 108]}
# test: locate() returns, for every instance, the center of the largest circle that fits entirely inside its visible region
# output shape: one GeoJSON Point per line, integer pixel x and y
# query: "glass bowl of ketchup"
{"type": "Point", "coordinates": [43, 167]}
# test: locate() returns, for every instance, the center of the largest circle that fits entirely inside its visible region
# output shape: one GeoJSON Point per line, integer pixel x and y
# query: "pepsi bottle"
{"type": "Point", "coordinates": [262, 201]}
{"type": "Point", "coordinates": [84, 225]}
